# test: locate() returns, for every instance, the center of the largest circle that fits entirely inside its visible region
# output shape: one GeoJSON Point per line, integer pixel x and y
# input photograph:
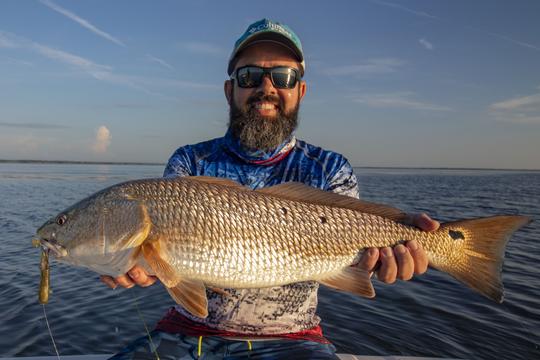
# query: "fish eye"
{"type": "Point", "coordinates": [61, 219]}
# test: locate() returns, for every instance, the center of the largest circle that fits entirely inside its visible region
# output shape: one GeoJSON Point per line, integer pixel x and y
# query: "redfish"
{"type": "Point", "coordinates": [198, 232]}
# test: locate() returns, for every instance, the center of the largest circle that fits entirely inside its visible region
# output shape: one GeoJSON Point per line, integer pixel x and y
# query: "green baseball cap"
{"type": "Point", "coordinates": [268, 30]}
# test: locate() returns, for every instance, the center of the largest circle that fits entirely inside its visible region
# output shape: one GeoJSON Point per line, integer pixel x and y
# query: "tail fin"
{"type": "Point", "coordinates": [480, 264]}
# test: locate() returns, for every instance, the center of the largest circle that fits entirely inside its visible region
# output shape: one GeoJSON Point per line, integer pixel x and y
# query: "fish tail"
{"type": "Point", "coordinates": [479, 263]}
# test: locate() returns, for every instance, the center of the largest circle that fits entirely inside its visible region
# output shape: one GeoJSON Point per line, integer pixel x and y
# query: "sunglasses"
{"type": "Point", "coordinates": [282, 77]}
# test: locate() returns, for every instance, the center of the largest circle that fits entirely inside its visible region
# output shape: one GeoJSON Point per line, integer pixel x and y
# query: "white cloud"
{"type": "Point", "coordinates": [518, 110]}
{"type": "Point", "coordinates": [426, 44]}
{"type": "Point", "coordinates": [5, 41]}
{"type": "Point", "coordinates": [84, 23]}
{"type": "Point", "coordinates": [102, 140]}
{"type": "Point", "coordinates": [25, 146]}
{"type": "Point", "coordinates": [160, 61]}
{"type": "Point", "coordinates": [102, 72]}
{"type": "Point", "coordinates": [401, 100]}
{"type": "Point", "coordinates": [505, 38]}
{"type": "Point", "coordinates": [406, 9]}
{"type": "Point", "coordinates": [30, 125]}
{"type": "Point", "coordinates": [55, 54]}
{"type": "Point", "coordinates": [368, 67]}
{"type": "Point", "coordinates": [518, 103]}
{"type": "Point", "coordinates": [96, 70]}
{"type": "Point", "coordinates": [426, 15]}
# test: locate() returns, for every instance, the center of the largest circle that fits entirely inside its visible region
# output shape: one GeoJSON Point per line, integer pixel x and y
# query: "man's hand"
{"type": "Point", "coordinates": [403, 261]}
{"type": "Point", "coordinates": [136, 276]}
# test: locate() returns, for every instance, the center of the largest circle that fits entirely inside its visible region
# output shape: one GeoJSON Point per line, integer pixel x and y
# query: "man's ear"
{"type": "Point", "coordinates": [228, 89]}
{"type": "Point", "coordinates": [302, 89]}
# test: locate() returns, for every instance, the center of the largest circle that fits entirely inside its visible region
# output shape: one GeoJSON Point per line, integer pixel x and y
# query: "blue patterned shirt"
{"type": "Point", "coordinates": [280, 309]}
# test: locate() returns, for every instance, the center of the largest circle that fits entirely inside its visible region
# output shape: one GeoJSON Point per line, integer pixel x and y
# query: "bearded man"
{"type": "Point", "coordinates": [264, 93]}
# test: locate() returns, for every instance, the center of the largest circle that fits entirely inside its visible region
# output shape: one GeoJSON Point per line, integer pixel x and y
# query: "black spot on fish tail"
{"type": "Point", "coordinates": [456, 235]}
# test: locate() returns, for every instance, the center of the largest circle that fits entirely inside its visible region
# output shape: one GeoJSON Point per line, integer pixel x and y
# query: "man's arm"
{"type": "Point", "coordinates": [401, 261]}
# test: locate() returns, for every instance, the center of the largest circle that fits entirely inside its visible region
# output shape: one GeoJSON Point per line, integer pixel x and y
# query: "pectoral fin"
{"type": "Point", "coordinates": [191, 294]}
{"type": "Point", "coordinates": [351, 279]}
{"type": "Point", "coordinates": [151, 250]}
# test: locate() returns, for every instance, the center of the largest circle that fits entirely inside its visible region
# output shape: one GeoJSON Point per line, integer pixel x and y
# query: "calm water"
{"type": "Point", "coordinates": [429, 316]}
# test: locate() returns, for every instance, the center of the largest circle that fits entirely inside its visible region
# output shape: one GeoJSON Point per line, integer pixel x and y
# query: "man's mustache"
{"type": "Point", "coordinates": [264, 98]}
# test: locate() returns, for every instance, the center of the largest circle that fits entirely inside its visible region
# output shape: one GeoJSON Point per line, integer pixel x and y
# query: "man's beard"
{"type": "Point", "coordinates": [256, 132]}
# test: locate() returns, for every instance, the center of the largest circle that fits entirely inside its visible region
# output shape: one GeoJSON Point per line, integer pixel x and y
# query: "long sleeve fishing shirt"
{"type": "Point", "coordinates": [275, 310]}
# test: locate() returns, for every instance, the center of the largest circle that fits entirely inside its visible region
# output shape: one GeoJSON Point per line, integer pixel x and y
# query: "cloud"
{"type": "Point", "coordinates": [159, 61]}
{"type": "Point", "coordinates": [61, 56]}
{"type": "Point", "coordinates": [23, 145]}
{"type": "Point", "coordinates": [406, 9]}
{"type": "Point", "coordinates": [33, 126]}
{"type": "Point", "coordinates": [505, 38]}
{"type": "Point", "coordinates": [103, 72]}
{"type": "Point", "coordinates": [426, 15]}
{"type": "Point", "coordinates": [204, 48]}
{"type": "Point", "coordinates": [84, 23]}
{"type": "Point", "coordinates": [102, 141]}
{"type": "Point", "coordinates": [5, 41]}
{"type": "Point", "coordinates": [96, 70]}
{"type": "Point", "coordinates": [402, 100]}
{"type": "Point", "coordinates": [519, 103]}
{"type": "Point", "coordinates": [518, 110]}
{"type": "Point", "coordinates": [372, 66]}
{"type": "Point", "coordinates": [426, 44]}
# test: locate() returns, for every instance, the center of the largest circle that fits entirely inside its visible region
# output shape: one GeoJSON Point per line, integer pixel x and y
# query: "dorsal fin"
{"type": "Point", "coordinates": [300, 192]}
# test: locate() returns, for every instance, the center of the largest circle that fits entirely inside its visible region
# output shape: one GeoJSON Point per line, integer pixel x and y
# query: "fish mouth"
{"type": "Point", "coordinates": [51, 245]}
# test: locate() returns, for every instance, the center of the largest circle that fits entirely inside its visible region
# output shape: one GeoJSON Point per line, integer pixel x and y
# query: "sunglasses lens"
{"type": "Point", "coordinates": [249, 77]}
{"type": "Point", "coordinates": [284, 78]}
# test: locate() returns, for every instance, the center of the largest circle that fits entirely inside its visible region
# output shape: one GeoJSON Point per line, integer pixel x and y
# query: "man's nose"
{"type": "Point", "coordinates": [266, 85]}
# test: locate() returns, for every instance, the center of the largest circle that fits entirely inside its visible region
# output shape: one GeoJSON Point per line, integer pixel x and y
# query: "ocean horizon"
{"type": "Point", "coordinates": [85, 162]}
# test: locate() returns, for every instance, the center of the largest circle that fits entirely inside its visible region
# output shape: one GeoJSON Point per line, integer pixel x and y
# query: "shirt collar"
{"type": "Point", "coordinates": [259, 157]}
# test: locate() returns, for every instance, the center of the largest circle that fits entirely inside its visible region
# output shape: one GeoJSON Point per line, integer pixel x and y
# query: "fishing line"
{"type": "Point", "coordinates": [50, 332]}
{"type": "Point", "coordinates": [153, 347]}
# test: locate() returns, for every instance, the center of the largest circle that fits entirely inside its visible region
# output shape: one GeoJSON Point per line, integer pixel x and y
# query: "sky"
{"type": "Point", "coordinates": [415, 83]}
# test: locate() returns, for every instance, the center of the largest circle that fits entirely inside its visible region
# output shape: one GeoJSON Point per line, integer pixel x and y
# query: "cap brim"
{"type": "Point", "coordinates": [267, 36]}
